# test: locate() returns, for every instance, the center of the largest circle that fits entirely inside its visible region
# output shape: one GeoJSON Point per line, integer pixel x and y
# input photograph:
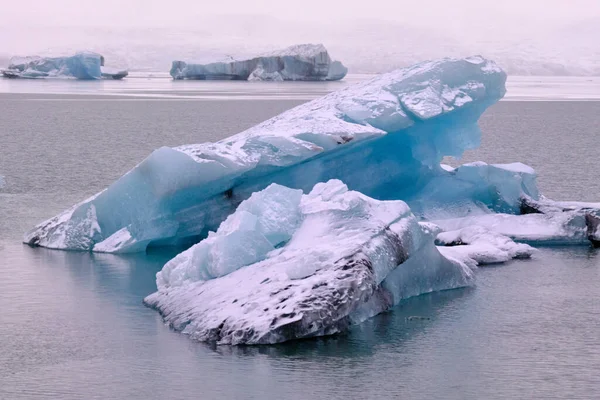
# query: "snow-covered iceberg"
{"type": "Point", "coordinates": [83, 66]}
{"type": "Point", "coordinates": [305, 62]}
{"type": "Point", "coordinates": [288, 266]}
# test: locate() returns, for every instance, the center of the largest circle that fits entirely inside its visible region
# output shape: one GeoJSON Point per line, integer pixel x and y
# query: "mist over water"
{"type": "Point", "coordinates": [526, 38]}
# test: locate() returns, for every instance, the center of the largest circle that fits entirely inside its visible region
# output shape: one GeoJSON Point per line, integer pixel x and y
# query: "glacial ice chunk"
{"type": "Point", "coordinates": [475, 245]}
{"type": "Point", "coordinates": [542, 221]}
{"type": "Point", "coordinates": [271, 263]}
{"type": "Point", "coordinates": [305, 62]}
{"type": "Point", "coordinates": [384, 137]}
{"type": "Point", "coordinates": [348, 257]}
{"type": "Point", "coordinates": [83, 66]}
{"type": "Point", "coordinates": [557, 228]}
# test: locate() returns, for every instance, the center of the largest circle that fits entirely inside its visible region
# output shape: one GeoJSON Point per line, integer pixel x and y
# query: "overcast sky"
{"type": "Point", "coordinates": [370, 35]}
{"type": "Point", "coordinates": [424, 13]}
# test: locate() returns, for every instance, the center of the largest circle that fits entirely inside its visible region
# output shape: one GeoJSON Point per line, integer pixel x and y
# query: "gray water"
{"type": "Point", "coordinates": [72, 325]}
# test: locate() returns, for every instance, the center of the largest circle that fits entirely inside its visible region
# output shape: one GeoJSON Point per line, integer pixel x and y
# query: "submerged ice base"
{"type": "Point", "coordinates": [306, 62]}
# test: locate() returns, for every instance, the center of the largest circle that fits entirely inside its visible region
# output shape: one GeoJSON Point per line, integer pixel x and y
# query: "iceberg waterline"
{"type": "Point", "coordinates": [306, 62]}
{"type": "Point", "coordinates": [374, 144]}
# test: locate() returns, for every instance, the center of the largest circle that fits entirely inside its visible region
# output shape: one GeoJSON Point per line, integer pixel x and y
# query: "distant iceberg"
{"type": "Point", "coordinates": [328, 213]}
{"type": "Point", "coordinates": [306, 62]}
{"type": "Point", "coordinates": [82, 66]}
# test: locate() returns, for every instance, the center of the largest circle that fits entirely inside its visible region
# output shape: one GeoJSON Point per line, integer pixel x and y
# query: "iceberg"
{"type": "Point", "coordinates": [287, 266]}
{"type": "Point", "coordinates": [384, 137]}
{"type": "Point", "coordinates": [82, 66]}
{"type": "Point", "coordinates": [305, 62]}
{"type": "Point", "coordinates": [328, 213]}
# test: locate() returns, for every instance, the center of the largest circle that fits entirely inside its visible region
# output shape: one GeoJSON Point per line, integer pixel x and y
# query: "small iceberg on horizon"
{"type": "Point", "coordinates": [81, 66]}
{"type": "Point", "coordinates": [304, 62]}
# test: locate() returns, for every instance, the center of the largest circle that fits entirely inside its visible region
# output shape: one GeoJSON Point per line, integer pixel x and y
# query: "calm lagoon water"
{"type": "Point", "coordinates": [72, 325]}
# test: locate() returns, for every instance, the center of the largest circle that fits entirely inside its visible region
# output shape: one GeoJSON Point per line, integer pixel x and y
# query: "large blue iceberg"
{"type": "Point", "coordinates": [328, 213]}
{"type": "Point", "coordinates": [384, 138]}
{"type": "Point", "coordinates": [305, 62]}
{"type": "Point", "coordinates": [82, 66]}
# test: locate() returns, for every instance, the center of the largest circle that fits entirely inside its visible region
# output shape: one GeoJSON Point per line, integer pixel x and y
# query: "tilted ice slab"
{"type": "Point", "coordinates": [384, 137]}
{"type": "Point", "coordinates": [306, 62]}
{"type": "Point", "coordinates": [286, 266]}
{"type": "Point", "coordinates": [83, 66]}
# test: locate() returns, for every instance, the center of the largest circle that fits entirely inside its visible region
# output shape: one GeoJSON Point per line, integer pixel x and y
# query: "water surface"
{"type": "Point", "coordinates": [73, 326]}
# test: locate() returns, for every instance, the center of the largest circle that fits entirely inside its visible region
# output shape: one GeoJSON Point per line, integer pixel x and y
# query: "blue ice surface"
{"type": "Point", "coordinates": [83, 66]}
{"type": "Point", "coordinates": [262, 222]}
{"type": "Point", "coordinates": [384, 137]}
